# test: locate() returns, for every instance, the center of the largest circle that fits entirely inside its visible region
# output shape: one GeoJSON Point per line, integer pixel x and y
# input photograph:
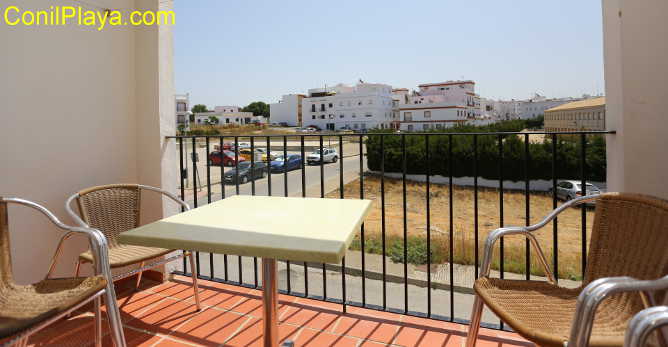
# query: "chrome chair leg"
{"type": "Point", "coordinates": [77, 267]}
{"type": "Point", "coordinates": [194, 274]}
{"type": "Point", "coordinates": [474, 327]}
{"type": "Point", "coordinates": [141, 266]}
{"type": "Point", "coordinates": [114, 316]}
{"type": "Point", "coordinates": [98, 321]}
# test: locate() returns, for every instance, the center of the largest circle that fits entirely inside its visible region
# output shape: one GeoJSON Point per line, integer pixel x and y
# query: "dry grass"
{"type": "Point", "coordinates": [569, 235]}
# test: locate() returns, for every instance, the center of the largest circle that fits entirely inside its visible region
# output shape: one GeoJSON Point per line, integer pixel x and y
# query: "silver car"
{"type": "Point", "coordinates": [567, 190]}
{"type": "Point", "coordinates": [329, 156]}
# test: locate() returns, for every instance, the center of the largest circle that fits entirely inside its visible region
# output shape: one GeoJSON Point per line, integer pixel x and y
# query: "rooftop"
{"type": "Point", "coordinates": [593, 102]}
{"type": "Point", "coordinates": [164, 315]}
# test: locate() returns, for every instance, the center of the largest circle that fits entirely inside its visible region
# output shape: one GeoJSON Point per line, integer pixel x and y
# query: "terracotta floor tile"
{"type": "Point", "coordinates": [313, 338]}
{"type": "Point", "coordinates": [134, 338]}
{"type": "Point", "coordinates": [310, 317]}
{"type": "Point", "coordinates": [369, 328]}
{"type": "Point", "coordinates": [75, 331]}
{"type": "Point", "coordinates": [412, 335]}
{"type": "Point", "coordinates": [170, 319]}
{"type": "Point", "coordinates": [210, 327]}
{"type": "Point", "coordinates": [134, 304]}
{"type": "Point", "coordinates": [372, 344]}
{"type": "Point", "coordinates": [165, 316]}
{"type": "Point", "coordinates": [251, 334]}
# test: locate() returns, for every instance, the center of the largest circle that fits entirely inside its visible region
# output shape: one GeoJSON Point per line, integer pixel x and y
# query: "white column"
{"type": "Point", "coordinates": [636, 73]}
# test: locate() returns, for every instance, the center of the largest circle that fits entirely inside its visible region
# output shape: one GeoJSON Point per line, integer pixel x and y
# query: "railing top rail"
{"type": "Point", "coordinates": [588, 132]}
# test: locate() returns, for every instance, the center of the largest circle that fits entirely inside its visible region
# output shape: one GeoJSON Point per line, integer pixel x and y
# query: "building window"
{"type": "Point", "coordinates": [427, 114]}
{"type": "Point", "coordinates": [359, 103]}
{"type": "Point", "coordinates": [181, 107]}
{"type": "Point", "coordinates": [355, 126]}
{"type": "Point", "coordinates": [313, 108]}
{"type": "Point", "coordinates": [425, 127]}
{"type": "Point", "coordinates": [408, 116]}
{"type": "Point", "coordinates": [313, 117]}
{"type": "Point", "coordinates": [331, 116]}
{"type": "Point", "coordinates": [439, 126]}
{"type": "Point", "coordinates": [331, 105]}
{"type": "Point", "coordinates": [354, 115]}
{"type": "Point", "coordinates": [342, 116]}
{"type": "Point", "coordinates": [410, 127]}
{"type": "Point", "coordinates": [322, 107]}
{"type": "Point", "coordinates": [322, 116]}
{"type": "Point", "coordinates": [368, 115]}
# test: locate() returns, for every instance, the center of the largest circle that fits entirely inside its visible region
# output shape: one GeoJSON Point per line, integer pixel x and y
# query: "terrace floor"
{"type": "Point", "coordinates": [165, 315]}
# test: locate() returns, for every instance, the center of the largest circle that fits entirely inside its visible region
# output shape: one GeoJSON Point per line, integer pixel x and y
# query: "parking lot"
{"type": "Point", "coordinates": [274, 183]}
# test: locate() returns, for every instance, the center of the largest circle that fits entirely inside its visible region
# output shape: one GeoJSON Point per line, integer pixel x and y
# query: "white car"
{"type": "Point", "coordinates": [329, 156]}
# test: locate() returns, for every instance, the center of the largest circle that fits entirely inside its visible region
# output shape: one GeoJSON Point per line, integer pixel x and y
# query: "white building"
{"type": "Point", "coordinates": [364, 106]}
{"type": "Point", "coordinates": [536, 106]}
{"type": "Point", "coordinates": [436, 106]}
{"type": "Point", "coordinates": [182, 110]}
{"type": "Point", "coordinates": [228, 115]}
{"type": "Point", "coordinates": [288, 110]}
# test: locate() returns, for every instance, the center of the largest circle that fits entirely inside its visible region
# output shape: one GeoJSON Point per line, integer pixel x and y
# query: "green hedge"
{"type": "Point", "coordinates": [540, 164]}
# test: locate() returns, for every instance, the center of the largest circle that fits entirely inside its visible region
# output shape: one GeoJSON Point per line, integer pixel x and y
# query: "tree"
{"type": "Point", "coordinates": [258, 108]}
{"type": "Point", "coordinates": [213, 120]}
{"type": "Point", "coordinates": [199, 108]}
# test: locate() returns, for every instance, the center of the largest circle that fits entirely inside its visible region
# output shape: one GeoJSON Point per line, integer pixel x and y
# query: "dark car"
{"type": "Point", "coordinates": [246, 172]}
{"type": "Point", "coordinates": [226, 158]}
{"type": "Point", "coordinates": [293, 162]}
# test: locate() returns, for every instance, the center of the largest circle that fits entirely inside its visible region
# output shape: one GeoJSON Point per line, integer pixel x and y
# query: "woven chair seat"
{"type": "Point", "coordinates": [23, 306]}
{"type": "Point", "coordinates": [542, 312]}
{"type": "Point", "coordinates": [124, 255]}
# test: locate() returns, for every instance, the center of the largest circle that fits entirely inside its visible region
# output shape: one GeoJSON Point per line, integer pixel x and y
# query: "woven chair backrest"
{"type": "Point", "coordinates": [111, 209]}
{"type": "Point", "coordinates": [629, 238]}
{"type": "Point", "coordinates": [6, 276]}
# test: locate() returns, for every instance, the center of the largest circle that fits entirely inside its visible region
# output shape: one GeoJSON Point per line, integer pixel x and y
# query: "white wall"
{"type": "Point", "coordinates": [285, 111]}
{"type": "Point", "coordinates": [636, 71]}
{"type": "Point", "coordinates": [60, 146]}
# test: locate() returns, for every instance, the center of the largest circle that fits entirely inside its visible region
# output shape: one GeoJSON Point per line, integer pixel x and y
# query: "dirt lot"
{"type": "Point", "coordinates": [569, 224]}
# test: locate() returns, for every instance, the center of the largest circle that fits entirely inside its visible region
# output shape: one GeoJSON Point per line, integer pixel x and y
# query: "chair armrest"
{"type": "Point", "coordinates": [644, 323]}
{"type": "Point", "coordinates": [168, 194]}
{"type": "Point", "coordinates": [597, 291]}
{"type": "Point", "coordinates": [98, 242]}
{"type": "Point", "coordinates": [527, 231]}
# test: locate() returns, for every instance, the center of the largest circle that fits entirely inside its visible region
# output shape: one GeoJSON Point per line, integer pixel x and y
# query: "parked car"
{"type": "Point", "coordinates": [271, 156]}
{"type": "Point", "coordinates": [571, 189]}
{"type": "Point", "coordinates": [293, 162]}
{"type": "Point", "coordinates": [246, 153]}
{"type": "Point", "coordinates": [329, 156]}
{"type": "Point", "coordinates": [314, 127]}
{"type": "Point", "coordinates": [226, 158]}
{"type": "Point", "coordinates": [244, 145]}
{"type": "Point", "coordinates": [246, 172]}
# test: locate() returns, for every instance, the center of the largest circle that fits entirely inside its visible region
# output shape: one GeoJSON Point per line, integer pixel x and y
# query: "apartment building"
{"type": "Point", "coordinates": [436, 106]}
{"type": "Point", "coordinates": [342, 107]}
{"type": "Point", "coordinates": [288, 110]}
{"type": "Point", "coordinates": [588, 114]}
{"type": "Point", "coordinates": [182, 110]}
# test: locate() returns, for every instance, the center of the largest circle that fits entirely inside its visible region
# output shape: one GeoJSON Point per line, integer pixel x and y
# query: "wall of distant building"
{"type": "Point", "coordinates": [287, 111]}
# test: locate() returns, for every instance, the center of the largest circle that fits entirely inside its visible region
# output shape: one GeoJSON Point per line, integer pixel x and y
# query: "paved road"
{"type": "Point", "coordinates": [330, 181]}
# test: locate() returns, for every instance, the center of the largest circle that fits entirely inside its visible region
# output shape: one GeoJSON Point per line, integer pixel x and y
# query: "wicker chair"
{"type": "Point", "coordinates": [26, 309]}
{"type": "Point", "coordinates": [644, 323]}
{"type": "Point", "coordinates": [629, 238]}
{"type": "Point", "coordinates": [114, 209]}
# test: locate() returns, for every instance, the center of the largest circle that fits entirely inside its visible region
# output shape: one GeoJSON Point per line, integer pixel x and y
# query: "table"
{"type": "Point", "coordinates": [272, 228]}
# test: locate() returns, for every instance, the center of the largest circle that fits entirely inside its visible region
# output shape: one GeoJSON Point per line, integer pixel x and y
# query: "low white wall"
{"type": "Point", "coordinates": [534, 185]}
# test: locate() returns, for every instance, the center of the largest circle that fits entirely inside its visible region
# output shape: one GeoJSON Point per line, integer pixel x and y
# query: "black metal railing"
{"type": "Point", "coordinates": [357, 149]}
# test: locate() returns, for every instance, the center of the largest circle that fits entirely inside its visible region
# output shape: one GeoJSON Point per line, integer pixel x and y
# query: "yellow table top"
{"type": "Point", "coordinates": [296, 229]}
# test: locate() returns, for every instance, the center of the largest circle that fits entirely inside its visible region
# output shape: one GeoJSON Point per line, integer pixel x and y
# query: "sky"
{"type": "Point", "coordinates": [235, 52]}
